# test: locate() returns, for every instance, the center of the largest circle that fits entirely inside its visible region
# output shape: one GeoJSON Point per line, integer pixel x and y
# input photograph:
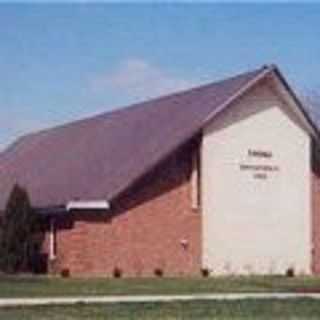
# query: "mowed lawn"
{"type": "Point", "coordinates": [220, 310]}
{"type": "Point", "coordinates": [17, 286]}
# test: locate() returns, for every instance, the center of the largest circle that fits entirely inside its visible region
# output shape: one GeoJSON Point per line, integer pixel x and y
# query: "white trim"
{"type": "Point", "coordinates": [101, 204]}
{"type": "Point", "coordinates": [288, 98]}
{"type": "Point", "coordinates": [287, 92]}
{"type": "Point", "coordinates": [238, 94]}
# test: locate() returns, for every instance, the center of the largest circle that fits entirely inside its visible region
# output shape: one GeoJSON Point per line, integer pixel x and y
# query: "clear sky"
{"type": "Point", "coordinates": [65, 62]}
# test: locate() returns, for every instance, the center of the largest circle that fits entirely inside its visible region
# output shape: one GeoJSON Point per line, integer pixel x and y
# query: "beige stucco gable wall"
{"type": "Point", "coordinates": [256, 219]}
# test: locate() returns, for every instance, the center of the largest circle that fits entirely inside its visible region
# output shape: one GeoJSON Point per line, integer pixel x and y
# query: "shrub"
{"type": "Point", "coordinates": [290, 273]}
{"type": "Point", "coordinates": [65, 273]}
{"type": "Point", "coordinates": [19, 238]}
{"type": "Point", "coordinates": [117, 272]}
{"type": "Point", "coordinates": [205, 272]}
{"type": "Point", "coordinates": [158, 272]}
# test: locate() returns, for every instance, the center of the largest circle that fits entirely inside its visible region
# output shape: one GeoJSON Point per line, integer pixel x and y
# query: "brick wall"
{"type": "Point", "coordinates": [144, 231]}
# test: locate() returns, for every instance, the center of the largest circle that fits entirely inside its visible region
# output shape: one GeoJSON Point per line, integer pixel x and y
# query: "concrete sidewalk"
{"type": "Point", "coordinates": [15, 302]}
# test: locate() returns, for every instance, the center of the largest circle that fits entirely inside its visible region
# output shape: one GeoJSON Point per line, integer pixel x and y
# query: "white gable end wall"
{"type": "Point", "coordinates": [256, 188]}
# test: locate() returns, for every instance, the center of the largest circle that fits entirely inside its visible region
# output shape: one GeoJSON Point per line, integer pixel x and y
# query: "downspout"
{"type": "Point", "coordinates": [52, 240]}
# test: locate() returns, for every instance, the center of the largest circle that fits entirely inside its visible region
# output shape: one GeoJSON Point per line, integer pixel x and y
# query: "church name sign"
{"type": "Point", "coordinates": [260, 171]}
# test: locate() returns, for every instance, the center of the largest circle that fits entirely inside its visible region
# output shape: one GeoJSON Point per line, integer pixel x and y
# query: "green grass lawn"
{"type": "Point", "coordinates": [221, 310]}
{"type": "Point", "coordinates": [17, 286]}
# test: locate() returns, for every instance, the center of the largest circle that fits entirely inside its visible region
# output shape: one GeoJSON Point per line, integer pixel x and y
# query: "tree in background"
{"type": "Point", "coordinates": [18, 239]}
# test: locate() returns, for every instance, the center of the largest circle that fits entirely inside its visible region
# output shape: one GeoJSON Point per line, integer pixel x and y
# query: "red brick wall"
{"type": "Point", "coordinates": [142, 233]}
{"type": "Point", "coordinates": [316, 217]}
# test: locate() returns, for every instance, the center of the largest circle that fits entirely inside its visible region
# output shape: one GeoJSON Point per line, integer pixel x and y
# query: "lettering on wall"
{"type": "Point", "coordinates": [259, 170]}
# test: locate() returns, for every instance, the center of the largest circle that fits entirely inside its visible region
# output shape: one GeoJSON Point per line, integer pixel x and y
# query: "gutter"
{"type": "Point", "coordinates": [83, 205]}
{"type": "Point", "coordinates": [74, 205]}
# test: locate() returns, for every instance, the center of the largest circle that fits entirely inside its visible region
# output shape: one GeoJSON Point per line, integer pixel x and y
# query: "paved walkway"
{"type": "Point", "coordinates": [15, 302]}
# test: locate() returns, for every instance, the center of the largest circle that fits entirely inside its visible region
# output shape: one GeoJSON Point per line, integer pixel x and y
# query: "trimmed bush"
{"type": "Point", "coordinates": [65, 273]}
{"type": "Point", "coordinates": [117, 272]}
{"type": "Point", "coordinates": [290, 273]}
{"type": "Point", "coordinates": [205, 272]}
{"type": "Point", "coordinates": [158, 272]}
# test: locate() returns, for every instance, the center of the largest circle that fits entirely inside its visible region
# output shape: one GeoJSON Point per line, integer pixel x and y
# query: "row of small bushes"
{"type": "Point", "coordinates": [159, 273]}
{"type": "Point", "coordinates": [118, 273]}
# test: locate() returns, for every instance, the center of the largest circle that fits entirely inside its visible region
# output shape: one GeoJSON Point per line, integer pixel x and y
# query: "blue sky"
{"type": "Point", "coordinates": [67, 61]}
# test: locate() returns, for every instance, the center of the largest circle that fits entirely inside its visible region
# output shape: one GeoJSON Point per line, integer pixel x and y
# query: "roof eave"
{"type": "Point", "coordinates": [315, 130]}
{"type": "Point", "coordinates": [264, 72]}
{"type": "Point", "coordinates": [74, 205]}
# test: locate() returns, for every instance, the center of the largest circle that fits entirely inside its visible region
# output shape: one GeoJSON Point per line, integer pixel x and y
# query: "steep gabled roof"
{"type": "Point", "coordinates": [100, 157]}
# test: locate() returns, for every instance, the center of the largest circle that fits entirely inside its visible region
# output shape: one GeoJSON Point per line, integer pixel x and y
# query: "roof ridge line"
{"type": "Point", "coordinates": [266, 69]}
{"type": "Point", "coordinates": [126, 107]}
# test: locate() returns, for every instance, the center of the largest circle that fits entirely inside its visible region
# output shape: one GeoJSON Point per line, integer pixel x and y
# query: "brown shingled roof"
{"type": "Point", "coordinates": [99, 157]}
